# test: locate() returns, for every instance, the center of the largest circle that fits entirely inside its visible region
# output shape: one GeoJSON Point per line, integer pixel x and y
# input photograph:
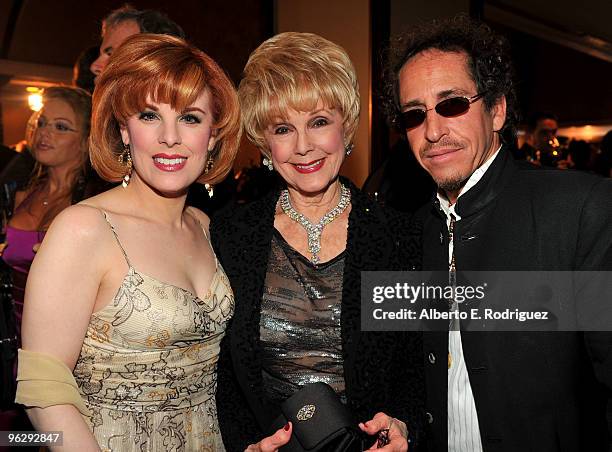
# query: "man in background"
{"type": "Point", "coordinates": [541, 140]}
{"type": "Point", "coordinates": [126, 21]}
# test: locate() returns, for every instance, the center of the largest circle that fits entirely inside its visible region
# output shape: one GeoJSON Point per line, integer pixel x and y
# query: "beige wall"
{"type": "Point", "coordinates": [347, 23]}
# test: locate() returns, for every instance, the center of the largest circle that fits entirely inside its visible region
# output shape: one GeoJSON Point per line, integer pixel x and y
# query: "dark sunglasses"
{"type": "Point", "coordinates": [448, 108]}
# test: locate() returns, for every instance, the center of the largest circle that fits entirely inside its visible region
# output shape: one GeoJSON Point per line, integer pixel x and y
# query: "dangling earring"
{"type": "Point", "coordinates": [126, 159]}
{"type": "Point", "coordinates": [349, 148]}
{"type": "Point", "coordinates": [209, 165]}
{"type": "Point", "coordinates": [268, 162]}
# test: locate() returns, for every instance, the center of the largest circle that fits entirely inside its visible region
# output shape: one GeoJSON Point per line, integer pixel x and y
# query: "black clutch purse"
{"type": "Point", "coordinates": [320, 421]}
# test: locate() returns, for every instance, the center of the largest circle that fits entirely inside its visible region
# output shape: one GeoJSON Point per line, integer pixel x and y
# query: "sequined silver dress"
{"type": "Point", "coordinates": [300, 322]}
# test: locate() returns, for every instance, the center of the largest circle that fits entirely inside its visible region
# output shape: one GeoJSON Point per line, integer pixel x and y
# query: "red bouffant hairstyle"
{"type": "Point", "coordinates": [166, 70]}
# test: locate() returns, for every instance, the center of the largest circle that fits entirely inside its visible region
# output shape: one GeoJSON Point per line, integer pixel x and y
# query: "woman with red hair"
{"type": "Point", "coordinates": [122, 322]}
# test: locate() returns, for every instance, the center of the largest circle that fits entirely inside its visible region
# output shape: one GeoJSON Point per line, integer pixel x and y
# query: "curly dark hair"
{"type": "Point", "coordinates": [489, 63]}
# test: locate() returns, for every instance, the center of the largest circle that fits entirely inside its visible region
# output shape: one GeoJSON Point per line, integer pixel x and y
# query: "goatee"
{"type": "Point", "coordinates": [451, 185]}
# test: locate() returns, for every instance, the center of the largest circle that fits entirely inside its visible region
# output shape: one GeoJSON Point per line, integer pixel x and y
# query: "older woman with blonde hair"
{"type": "Point", "coordinates": [294, 259]}
{"type": "Point", "coordinates": [122, 322]}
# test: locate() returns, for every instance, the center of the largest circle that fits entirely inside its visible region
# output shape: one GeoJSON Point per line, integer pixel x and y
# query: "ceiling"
{"type": "Point", "coordinates": [585, 18]}
{"type": "Point", "coordinates": [583, 26]}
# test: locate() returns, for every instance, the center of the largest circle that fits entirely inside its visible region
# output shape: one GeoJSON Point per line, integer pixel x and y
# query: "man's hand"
{"type": "Point", "coordinates": [392, 433]}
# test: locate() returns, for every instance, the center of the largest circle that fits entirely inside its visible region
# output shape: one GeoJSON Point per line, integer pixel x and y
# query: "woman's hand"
{"type": "Point", "coordinates": [272, 443]}
{"type": "Point", "coordinates": [392, 433]}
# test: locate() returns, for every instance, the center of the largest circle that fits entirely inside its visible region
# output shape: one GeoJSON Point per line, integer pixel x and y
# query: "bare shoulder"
{"type": "Point", "coordinates": [200, 216]}
{"type": "Point", "coordinates": [80, 222]}
{"type": "Point", "coordinates": [104, 200]}
{"type": "Point", "coordinates": [75, 246]}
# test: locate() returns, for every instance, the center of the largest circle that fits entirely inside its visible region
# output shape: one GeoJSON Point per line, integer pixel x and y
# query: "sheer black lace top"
{"type": "Point", "coordinates": [300, 322]}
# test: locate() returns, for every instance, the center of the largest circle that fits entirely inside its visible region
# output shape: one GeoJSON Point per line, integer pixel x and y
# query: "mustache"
{"type": "Point", "coordinates": [446, 143]}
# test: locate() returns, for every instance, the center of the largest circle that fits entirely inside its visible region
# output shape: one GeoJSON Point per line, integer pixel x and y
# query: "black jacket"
{"type": "Point", "coordinates": [542, 391]}
{"type": "Point", "coordinates": [382, 371]}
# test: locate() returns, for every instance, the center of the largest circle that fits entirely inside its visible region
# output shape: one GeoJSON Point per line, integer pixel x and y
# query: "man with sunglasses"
{"type": "Point", "coordinates": [450, 89]}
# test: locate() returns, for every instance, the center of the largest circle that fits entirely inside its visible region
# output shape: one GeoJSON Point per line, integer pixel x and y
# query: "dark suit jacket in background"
{"type": "Point", "coordinates": [536, 391]}
{"type": "Point", "coordinates": [382, 371]}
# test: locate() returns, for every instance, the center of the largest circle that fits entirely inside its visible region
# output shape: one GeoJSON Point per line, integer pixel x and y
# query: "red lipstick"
{"type": "Point", "coordinates": [169, 162]}
{"type": "Point", "coordinates": [310, 167]}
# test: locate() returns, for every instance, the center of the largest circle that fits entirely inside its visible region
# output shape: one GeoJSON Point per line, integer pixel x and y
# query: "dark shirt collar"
{"type": "Point", "coordinates": [487, 188]}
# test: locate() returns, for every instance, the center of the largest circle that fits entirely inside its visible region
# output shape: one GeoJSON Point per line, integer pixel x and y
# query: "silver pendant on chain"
{"type": "Point", "coordinates": [314, 231]}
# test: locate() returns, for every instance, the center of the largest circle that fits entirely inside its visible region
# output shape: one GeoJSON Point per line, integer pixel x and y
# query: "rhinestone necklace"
{"type": "Point", "coordinates": [314, 231]}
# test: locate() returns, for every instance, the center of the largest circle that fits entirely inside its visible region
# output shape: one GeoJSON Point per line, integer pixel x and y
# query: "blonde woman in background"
{"type": "Point", "coordinates": [57, 138]}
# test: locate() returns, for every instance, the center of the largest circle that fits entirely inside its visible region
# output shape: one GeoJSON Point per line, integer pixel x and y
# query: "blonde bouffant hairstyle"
{"type": "Point", "coordinates": [296, 70]}
{"type": "Point", "coordinates": [167, 70]}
